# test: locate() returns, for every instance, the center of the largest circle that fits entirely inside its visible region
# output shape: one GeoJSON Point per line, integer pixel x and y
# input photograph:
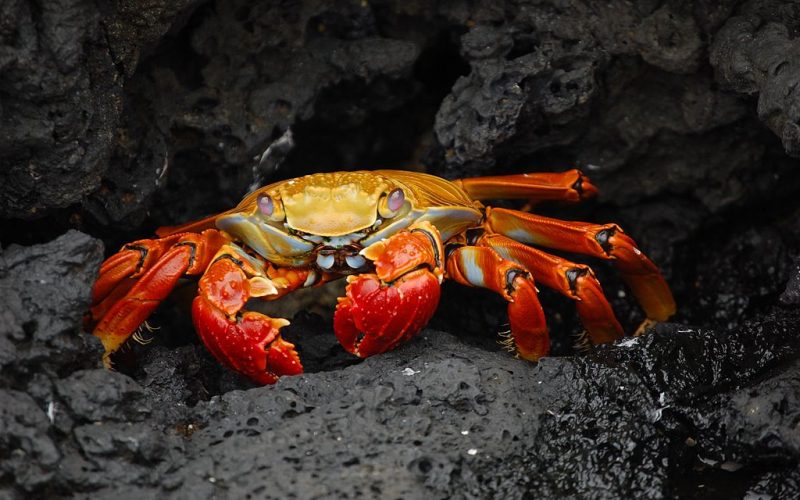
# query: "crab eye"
{"type": "Point", "coordinates": [395, 200]}
{"type": "Point", "coordinates": [265, 205]}
{"type": "Point", "coordinates": [270, 207]}
{"type": "Point", "coordinates": [391, 203]}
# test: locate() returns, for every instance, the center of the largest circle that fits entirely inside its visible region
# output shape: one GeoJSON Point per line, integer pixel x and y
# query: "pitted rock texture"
{"type": "Point", "coordinates": [120, 117]}
{"type": "Point", "coordinates": [62, 70]}
{"type": "Point", "coordinates": [438, 416]}
{"type": "Point", "coordinates": [756, 52]}
{"type": "Point", "coordinates": [173, 99]}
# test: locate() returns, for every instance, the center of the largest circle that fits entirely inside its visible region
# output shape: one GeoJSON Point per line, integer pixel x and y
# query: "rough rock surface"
{"type": "Point", "coordinates": [117, 118]}
{"type": "Point", "coordinates": [45, 293]}
{"type": "Point", "coordinates": [62, 70]}
{"type": "Point", "coordinates": [659, 416]}
{"type": "Point", "coordinates": [755, 52]}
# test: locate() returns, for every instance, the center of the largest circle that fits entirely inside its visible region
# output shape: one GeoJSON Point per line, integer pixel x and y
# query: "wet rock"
{"type": "Point", "coordinates": [438, 416]}
{"type": "Point", "coordinates": [758, 419]}
{"type": "Point", "coordinates": [626, 403]}
{"type": "Point", "coordinates": [742, 285]}
{"type": "Point", "coordinates": [777, 485]}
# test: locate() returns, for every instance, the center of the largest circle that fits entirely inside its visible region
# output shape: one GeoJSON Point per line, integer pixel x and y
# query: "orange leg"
{"type": "Point", "coordinates": [119, 272]}
{"type": "Point", "coordinates": [246, 341]}
{"type": "Point", "coordinates": [606, 241]}
{"type": "Point", "coordinates": [134, 281]}
{"type": "Point", "coordinates": [484, 267]}
{"type": "Point", "coordinates": [570, 186]}
{"type": "Point", "coordinates": [384, 309]}
{"type": "Point", "coordinates": [576, 281]}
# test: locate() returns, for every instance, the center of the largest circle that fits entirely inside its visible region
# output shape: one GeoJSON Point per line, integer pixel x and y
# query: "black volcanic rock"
{"type": "Point", "coordinates": [46, 290]}
{"type": "Point", "coordinates": [757, 53]}
{"type": "Point", "coordinates": [436, 416]}
{"type": "Point", "coordinates": [62, 71]}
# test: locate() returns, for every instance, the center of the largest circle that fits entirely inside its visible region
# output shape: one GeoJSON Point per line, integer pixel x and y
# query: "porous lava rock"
{"type": "Point", "coordinates": [659, 416]}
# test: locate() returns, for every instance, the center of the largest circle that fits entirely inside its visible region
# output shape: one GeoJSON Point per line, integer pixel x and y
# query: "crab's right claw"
{"type": "Point", "coordinates": [382, 310]}
{"type": "Point", "coordinates": [375, 317]}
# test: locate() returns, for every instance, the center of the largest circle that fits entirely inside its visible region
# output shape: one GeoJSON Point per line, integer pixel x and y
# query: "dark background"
{"type": "Point", "coordinates": [117, 117]}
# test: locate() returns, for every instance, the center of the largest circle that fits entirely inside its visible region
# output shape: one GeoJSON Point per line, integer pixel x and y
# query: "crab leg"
{"type": "Point", "coordinates": [135, 280]}
{"type": "Point", "coordinates": [383, 309]}
{"type": "Point", "coordinates": [570, 186]}
{"type": "Point", "coordinates": [484, 267]}
{"type": "Point", "coordinates": [576, 281]}
{"type": "Point", "coordinates": [246, 341]}
{"type": "Point", "coordinates": [120, 271]}
{"type": "Point", "coordinates": [606, 241]}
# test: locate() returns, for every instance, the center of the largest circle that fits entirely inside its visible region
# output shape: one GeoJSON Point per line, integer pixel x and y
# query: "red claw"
{"type": "Point", "coordinates": [251, 346]}
{"type": "Point", "coordinates": [375, 317]}
{"type": "Point", "coordinates": [247, 342]}
{"type": "Point", "coordinates": [384, 309]}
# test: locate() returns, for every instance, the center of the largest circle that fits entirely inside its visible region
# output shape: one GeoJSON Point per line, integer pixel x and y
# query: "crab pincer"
{"type": "Point", "coordinates": [246, 341]}
{"type": "Point", "coordinates": [383, 309]}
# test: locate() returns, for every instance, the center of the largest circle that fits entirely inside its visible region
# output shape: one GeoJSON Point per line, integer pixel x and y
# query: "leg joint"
{"type": "Point", "coordinates": [474, 235]}
{"type": "Point", "coordinates": [434, 244]}
{"type": "Point", "coordinates": [573, 275]}
{"type": "Point", "coordinates": [511, 275]}
{"type": "Point", "coordinates": [230, 258]}
{"type": "Point", "coordinates": [142, 255]}
{"type": "Point", "coordinates": [603, 237]}
{"type": "Point", "coordinates": [450, 248]}
{"type": "Point", "coordinates": [192, 251]}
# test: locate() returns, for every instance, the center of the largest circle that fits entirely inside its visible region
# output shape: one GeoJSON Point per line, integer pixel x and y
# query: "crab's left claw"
{"type": "Point", "coordinates": [382, 310]}
{"type": "Point", "coordinates": [246, 341]}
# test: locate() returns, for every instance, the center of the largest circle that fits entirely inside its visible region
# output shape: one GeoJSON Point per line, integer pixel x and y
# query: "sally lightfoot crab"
{"type": "Point", "coordinates": [395, 236]}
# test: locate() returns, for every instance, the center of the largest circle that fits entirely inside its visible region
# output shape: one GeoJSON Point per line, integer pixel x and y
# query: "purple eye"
{"type": "Point", "coordinates": [396, 200]}
{"type": "Point", "coordinates": [265, 205]}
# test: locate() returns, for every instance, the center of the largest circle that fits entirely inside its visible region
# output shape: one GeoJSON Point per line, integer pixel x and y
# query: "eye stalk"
{"type": "Point", "coordinates": [392, 203]}
{"type": "Point", "coordinates": [270, 208]}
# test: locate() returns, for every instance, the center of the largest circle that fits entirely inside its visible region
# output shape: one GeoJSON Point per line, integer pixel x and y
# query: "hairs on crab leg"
{"type": "Point", "coordinates": [484, 267]}
{"type": "Point", "coordinates": [576, 281]}
{"type": "Point", "coordinates": [135, 280]}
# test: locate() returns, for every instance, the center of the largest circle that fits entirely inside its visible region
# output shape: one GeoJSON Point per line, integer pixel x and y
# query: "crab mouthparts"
{"type": "Point", "coordinates": [343, 260]}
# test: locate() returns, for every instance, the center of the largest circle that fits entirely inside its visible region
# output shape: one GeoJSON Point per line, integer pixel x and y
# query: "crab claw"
{"type": "Point", "coordinates": [252, 345]}
{"type": "Point", "coordinates": [246, 341]}
{"type": "Point", "coordinates": [383, 309]}
{"type": "Point", "coordinates": [375, 317]}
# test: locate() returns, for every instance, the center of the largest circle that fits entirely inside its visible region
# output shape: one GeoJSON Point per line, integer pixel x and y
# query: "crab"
{"type": "Point", "coordinates": [394, 235]}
